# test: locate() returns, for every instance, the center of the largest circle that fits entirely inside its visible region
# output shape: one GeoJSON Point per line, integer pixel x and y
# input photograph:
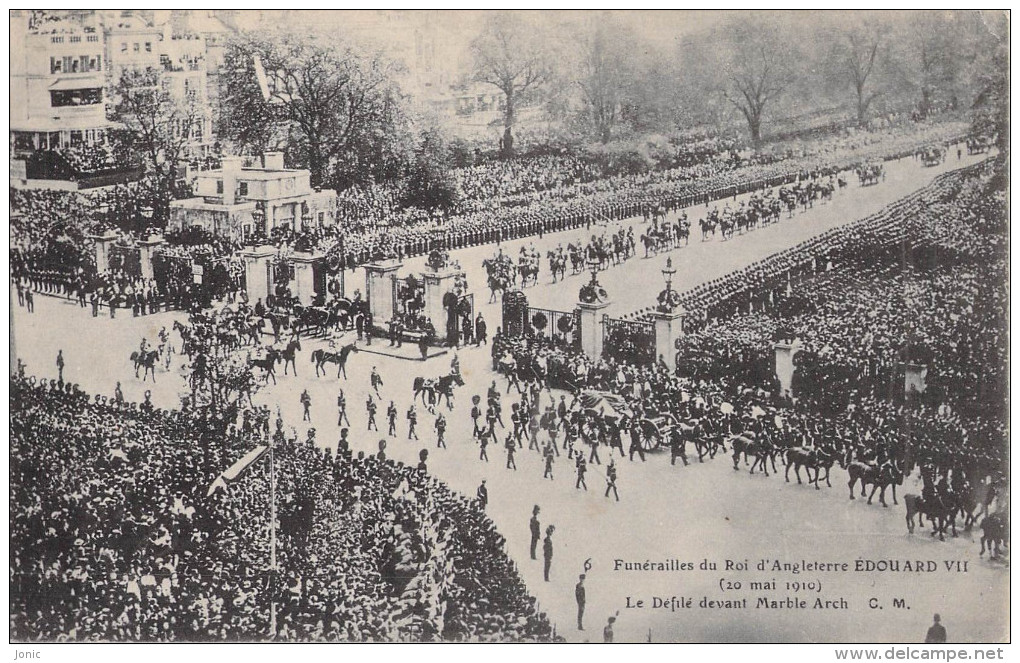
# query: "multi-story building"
{"type": "Point", "coordinates": [162, 43]}
{"type": "Point", "coordinates": [63, 65]}
{"type": "Point", "coordinates": [238, 202]}
{"type": "Point", "coordinates": [57, 81]}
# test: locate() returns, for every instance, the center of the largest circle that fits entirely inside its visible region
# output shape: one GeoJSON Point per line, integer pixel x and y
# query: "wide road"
{"type": "Point", "coordinates": [702, 513]}
{"type": "Point", "coordinates": [636, 285]}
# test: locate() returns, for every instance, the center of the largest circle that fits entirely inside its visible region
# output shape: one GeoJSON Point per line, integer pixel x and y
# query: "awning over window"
{"type": "Point", "coordinates": [46, 124]}
{"type": "Point", "coordinates": [76, 84]}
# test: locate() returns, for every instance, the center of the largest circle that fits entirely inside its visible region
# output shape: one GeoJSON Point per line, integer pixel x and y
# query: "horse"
{"type": "Point", "coordinates": [708, 444]}
{"type": "Point", "coordinates": [278, 321]}
{"type": "Point", "coordinates": [314, 320]}
{"type": "Point", "coordinates": [437, 389]}
{"type": "Point", "coordinates": [651, 243]}
{"type": "Point", "coordinates": [938, 510]}
{"type": "Point", "coordinates": [749, 446]}
{"type": "Point", "coordinates": [186, 334]}
{"type": "Point", "coordinates": [528, 272]}
{"type": "Point", "coordinates": [683, 232]}
{"type": "Point", "coordinates": [557, 265]}
{"type": "Point", "coordinates": [726, 227]}
{"type": "Point", "coordinates": [576, 259]}
{"type": "Point", "coordinates": [289, 354]}
{"type": "Point", "coordinates": [994, 532]}
{"type": "Point", "coordinates": [252, 332]}
{"type": "Point", "coordinates": [915, 506]}
{"type": "Point", "coordinates": [973, 502]}
{"type": "Point", "coordinates": [879, 477]}
{"type": "Point", "coordinates": [501, 273]}
{"type": "Point", "coordinates": [267, 363]}
{"type": "Point", "coordinates": [148, 361]}
{"type": "Point", "coordinates": [707, 226]}
{"type": "Point", "coordinates": [321, 357]}
{"type": "Point", "coordinates": [809, 459]}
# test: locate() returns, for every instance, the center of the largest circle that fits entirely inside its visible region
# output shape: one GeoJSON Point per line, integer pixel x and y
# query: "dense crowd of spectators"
{"type": "Point", "coordinates": [120, 531]}
{"type": "Point", "coordinates": [858, 310]}
{"type": "Point", "coordinates": [583, 203]}
{"type": "Point", "coordinates": [81, 159]}
{"type": "Point", "coordinates": [502, 200]}
{"type": "Point", "coordinates": [939, 302]}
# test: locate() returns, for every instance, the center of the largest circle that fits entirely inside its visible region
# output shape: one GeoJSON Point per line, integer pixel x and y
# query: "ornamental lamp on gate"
{"type": "Point", "coordinates": [593, 292]}
{"type": "Point", "coordinates": [669, 299]}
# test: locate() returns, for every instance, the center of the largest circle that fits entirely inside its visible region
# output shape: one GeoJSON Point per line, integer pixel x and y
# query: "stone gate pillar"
{"type": "Point", "coordinates": [304, 276]}
{"type": "Point", "coordinates": [146, 249]}
{"type": "Point", "coordinates": [784, 364]}
{"type": "Point", "coordinates": [102, 246]}
{"type": "Point", "coordinates": [379, 290]}
{"type": "Point", "coordinates": [591, 328]}
{"type": "Point", "coordinates": [669, 329]}
{"type": "Point", "coordinates": [256, 272]}
{"type": "Point", "coordinates": [437, 284]}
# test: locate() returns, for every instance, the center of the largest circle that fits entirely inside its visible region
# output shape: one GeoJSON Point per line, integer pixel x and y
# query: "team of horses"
{"type": "Point", "coordinates": [604, 249]}
{"type": "Point", "coordinates": [941, 505]}
{"type": "Point", "coordinates": [433, 390]}
{"type": "Point", "coordinates": [870, 174]}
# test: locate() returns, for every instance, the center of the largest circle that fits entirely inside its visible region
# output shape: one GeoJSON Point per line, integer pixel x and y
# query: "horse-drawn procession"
{"type": "Point", "coordinates": [979, 144]}
{"type": "Point", "coordinates": [933, 155]}
{"type": "Point", "coordinates": [266, 334]}
{"type": "Point", "coordinates": [870, 174]}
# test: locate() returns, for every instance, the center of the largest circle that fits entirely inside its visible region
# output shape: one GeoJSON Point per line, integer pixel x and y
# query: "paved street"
{"type": "Point", "coordinates": [635, 285]}
{"type": "Point", "coordinates": [688, 513]}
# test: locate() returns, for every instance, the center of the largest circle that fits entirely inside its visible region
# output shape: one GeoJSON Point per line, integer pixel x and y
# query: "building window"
{"type": "Point", "coordinates": [75, 40]}
{"type": "Point", "coordinates": [76, 138]}
{"type": "Point", "coordinates": [219, 187]}
{"type": "Point", "coordinates": [137, 48]}
{"type": "Point", "coordinates": [123, 47]}
{"type": "Point", "coordinates": [92, 38]}
{"type": "Point", "coordinates": [242, 189]}
{"type": "Point", "coordinates": [56, 66]}
{"type": "Point", "coordinates": [148, 47]}
{"type": "Point", "coordinates": [81, 97]}
{"type": "Point", "coordinates": [56, 40]}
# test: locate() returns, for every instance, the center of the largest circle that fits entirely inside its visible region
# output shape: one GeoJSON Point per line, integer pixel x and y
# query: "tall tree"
{"type": "Point", "coordinates": [330, 100]}
{"type": "Point", "coordinates": [860, 58]}
{"type": "Point", "coordinates": [155, 128]}
{"type": "Point", "coordinates": [756, 78]}
{"type": "Point", "coordinates": [990, 114]}
{"type": "Point", "coordinates": [936, 44]}
{"type": "Point", "coordinates": [509, 54]}
{"type": "Point", "coordinates": [602, 75]}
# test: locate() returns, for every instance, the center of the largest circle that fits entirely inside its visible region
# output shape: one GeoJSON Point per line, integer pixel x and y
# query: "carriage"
{"type": "Point", "coordinates": [869, 174]}
{"type": "Point", "coordinates": [978, 145]}
{"type": "Point", "coordinates": [933, 156]}
{"type": "Point", "coordinates": [654, 427]}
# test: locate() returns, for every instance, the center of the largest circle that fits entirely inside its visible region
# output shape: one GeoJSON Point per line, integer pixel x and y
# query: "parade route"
{"type": "Point", "coordinates": [635, 284]}
{"type": "Point", "coordinates": [703, 513]}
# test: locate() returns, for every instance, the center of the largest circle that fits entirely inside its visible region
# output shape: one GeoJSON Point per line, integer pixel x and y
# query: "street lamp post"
{"type": "Point", "coordinates": [272, 540]}
{"type": "Point", "coordinates": [668, 272]}
{"type": "Point", "coordinates": [259, 217]}
{"type": "Point", "coordinates": [594, 267]}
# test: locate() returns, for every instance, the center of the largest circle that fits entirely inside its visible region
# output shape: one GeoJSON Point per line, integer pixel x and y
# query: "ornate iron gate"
{"type": "Point", "coordinates": [631, 341]}
{"type": "Point", "coordinates": [408, 297]}
{"type": "Point", "coordinates": [561, 327]}
{"type": "Point", "coordinates": [126, 258]}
